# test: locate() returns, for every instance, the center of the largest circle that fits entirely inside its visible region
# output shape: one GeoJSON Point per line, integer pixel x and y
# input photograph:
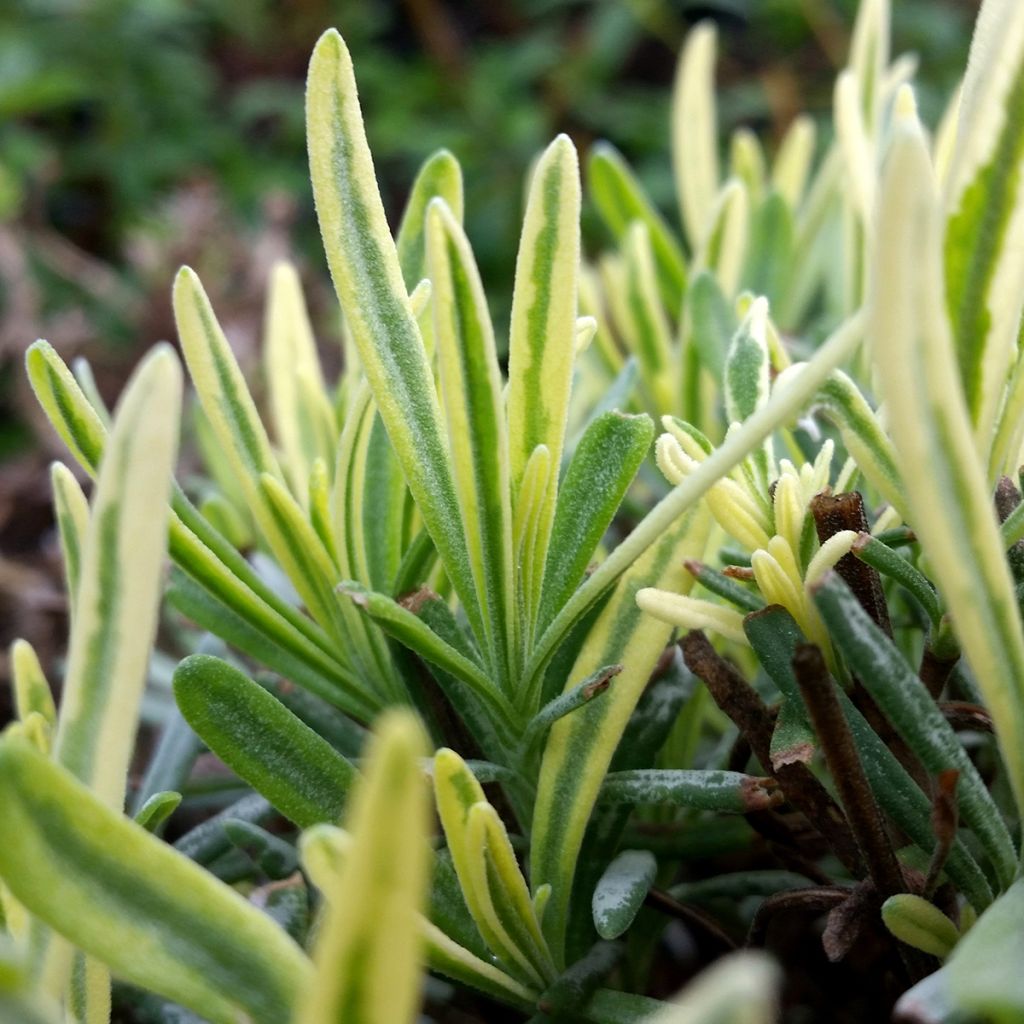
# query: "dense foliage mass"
{"type": "Point", "coordinates": [663, 707]}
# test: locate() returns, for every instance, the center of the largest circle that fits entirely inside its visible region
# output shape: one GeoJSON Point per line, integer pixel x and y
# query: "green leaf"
{"type": "Point", "coordinates": [985, 214]}
{"type": "Point", "coordinates": [572, 699]}
{"type": "Point", "coordinates": [863, 436]}
{"type": "Point", "coordinates": [441, 177]}
{"type": "Point", "coordinates": [580, 747]}
{"type": "Point", "coordinates": [77, 422]}
{"type": "Point", "coordinates": [620, 200]}
{"type": "Point", "coordinates": [156, 810]}
{"type": "Point", "coordinates": [258, 633]}
{"type": "Point", "coordinates": [894, 565]}
{"type": "Point", "coordinates": [301, 553]}
{"type": "Point", "coordinates": [121, 575]}
{"type": "Point", "coordinates": [947, 493]}
{"type": "Point", "coordinates": [702, 790]}
{"type": "Point", "coordinates": [746, 382]}
{"type": "Point", "coordinates": [274, 857]}
{"type": "Point", "coordinates": [621, 892]}
{"type": "Point", "coordinates": [603, 466]}
{"type": "Point", "coordinates": [918, 923]}
{"type": "Point", "coordinates": [543, 322]}
{"type": "Point", "coordinates": [770, 254]}
{"type": "Point", "coordinates": [710, 322]}
{"type": "Point", "coordinates": [31, 690]}
{"type": "Point", "coordinates": [368, 279]}
{"type": "Point", "coordinates": [645, 324]}
{"type": "Point", "coordinates": [71, 510]}
{"type": "Point", "coordinates": [471, 388]}
{"type": "Point", "coordinates": [982, 980]}
{"type": "Point", "coordinates": [369, 943]}
{"type": "Point", "coordinates": [155, 918]}
{"type": "Point", "coordinates": [219, 383]}
{"type": "Point", "coordinates": [695, 131]}
{"type": "Point", "coordinates": [262, 741]}
{"type": "Point", "coordinates": [304, 422]}
{"type": "Point", "coordinates": [408, 628]}
{"type": "Point", "coordinates": [907, 704]}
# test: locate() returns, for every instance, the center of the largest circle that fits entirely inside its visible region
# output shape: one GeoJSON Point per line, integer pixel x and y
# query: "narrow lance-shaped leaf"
{"type": "Point", "coordinates": [695, 131]}
{"type": "Point", "coordinates": [746, 382]}
{"type": "Point", "coordinates": [408, 628]}
{"type": "Point", "coordinates": [491, 882]}
{"type": "Point", "coordinates": [194, 544]}
{"type": "Point", "coordinates": [368, 279]}
{"type": "Point", "coordinates": [368, 513]}
{"type": "Point", "coordinates": [543, 322]}
{"type": "Point", "coordinates": [603, 466]}
{"type": "Point", "coordinates": [256, 736]}
{"type": "Point", "coordinates": [947, 493]}
{"type": "Point", "coordinates": [325, 850]}
{"type": "Point", "coordinates": [303, 419]}
{"type": "Point", "coordinates": [71, 510]}
{"type": "Point", "coordinates": [984, 202]}
{"type": "Point", "coordinates": [645, 323]}
{"type": "Point", "coordinates": [580, 747]}
{"type": "Point", "coordinates": [620, 200]}
{"type": "Point", "coordinates": [441, 177]}
{"type": "Point", "coordinates": [119, 590]}
{"type": "Point", "coordinates": [219, 382]}
{"type": "Point", "coordinates": [471, 388]}
{"type": "Point", "coordinates": [700, 790]}
{"type": "Point", "coordinates": [369, 951]}
{"type": "Point", "coordinates": [31, 690]}
{"type": "Point", "coordinates": [154, 917]}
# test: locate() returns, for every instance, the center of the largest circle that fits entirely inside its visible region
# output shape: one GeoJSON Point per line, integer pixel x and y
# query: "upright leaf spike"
{"type": "Point", "coordinates": [119, 591]}
{"type": "Point", "coordinates": [471, 388]}
{"type": "Point", "coordinates": [304, 422]}
{"type": "Point", "coordinates": [440, 177]}
{"type": "Point", "coordinates": [368, 279]}
{"type": "Point", "coordinates": [369, 950]}
{"type": "Point", "coordinates": [695, 130]}
{"type": "Point", "coordinates": [543, 326]}
{"type": "Point", "coordinates": [72, 512]}
{"type": "Point", "coordinates": [947, 492]}
{"type": "Point", "coordinates": [984, 203]}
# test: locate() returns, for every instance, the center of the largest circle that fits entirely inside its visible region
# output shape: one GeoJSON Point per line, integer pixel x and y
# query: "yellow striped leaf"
{"type": "Point", "coordinates": [153, 916]}
{"type": "Point", "coordinates": [580, 746]}
{"type": "Point", "coordinates": [984, 200]}
{"type": "Point", "coordinates": [121, 573]}
{"type": "Point", "coordinates": [947, 493]}
{"type": "Point", "coordinates": [368, 279]}
{"type": "Point", "coordinates": [369, 947]}
{"type": "Point", "coordinates": [471, 388]}
{"type": "Point", "coordinates": [71, 510]}
{"type": "Point", "coordinates": [543, 324]}
{"type": "Point", "coordinates": [303, 419]}
{"type": "Point", "coordinates": [695, 132]}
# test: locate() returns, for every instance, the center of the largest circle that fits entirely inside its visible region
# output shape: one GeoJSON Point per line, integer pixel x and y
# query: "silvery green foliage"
{"type": "Point", "coordinates": [449, 538]}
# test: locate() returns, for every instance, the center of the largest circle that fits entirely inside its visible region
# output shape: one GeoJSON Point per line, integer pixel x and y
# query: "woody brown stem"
{"type": "Point", "coordinates": [752, 717]}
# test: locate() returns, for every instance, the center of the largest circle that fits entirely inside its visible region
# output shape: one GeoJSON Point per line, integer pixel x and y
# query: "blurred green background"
{"type": "Point", "coordinates": [136, 135]}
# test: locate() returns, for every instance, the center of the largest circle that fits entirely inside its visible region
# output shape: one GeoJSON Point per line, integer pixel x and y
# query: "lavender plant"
{"type": "Point", "coordinates": [437, 551]}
